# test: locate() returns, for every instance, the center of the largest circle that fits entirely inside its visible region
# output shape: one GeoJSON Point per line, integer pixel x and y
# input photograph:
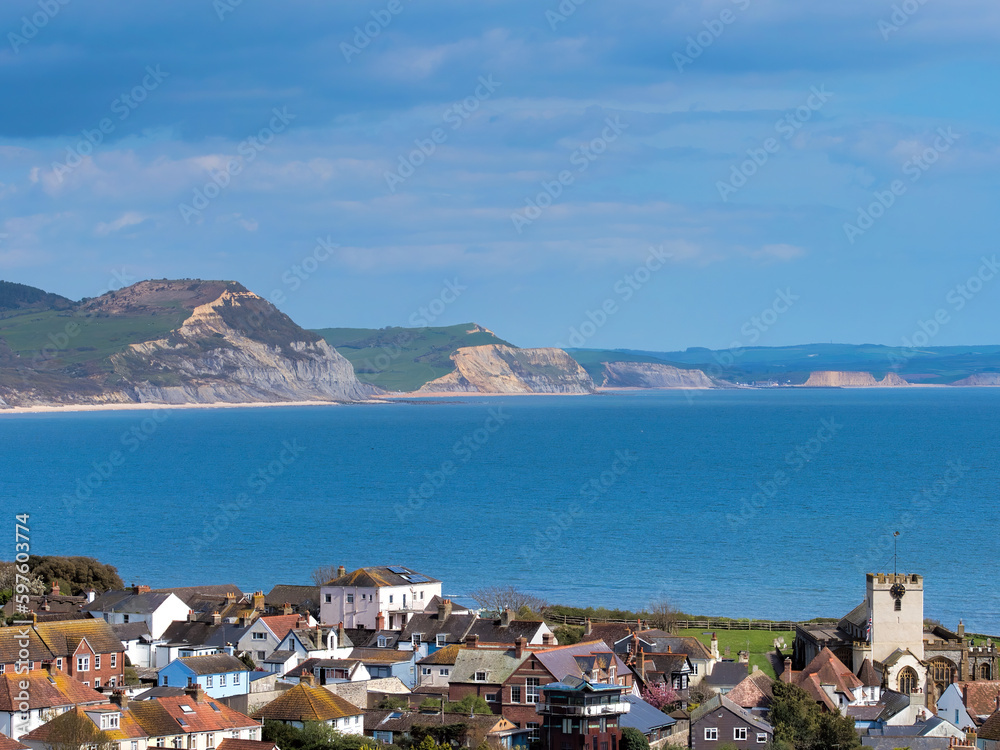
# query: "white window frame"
{"type": "Point", "coordinates": [711, 734]}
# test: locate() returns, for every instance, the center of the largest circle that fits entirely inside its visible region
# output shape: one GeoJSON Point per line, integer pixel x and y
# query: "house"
{"type": "Point", "coordinates": [286, 599]}
{"type": "Point", "coordinates": [390, 726]}
{"type": "Point", "coordinates": [394, 591]}
{"type": "Point", "coordinates": [434, 671]}
{"type": "Point", "coordinates": [191, 721]}
{"type": "Point", "coordinates": [139, 604]}
{"type": "Point", "coordinates": [264, 634]}
{"type": "Point", "coordinates": [328, 671]}
{"type": "Point", "coordinates": [969, 704]}
{"type": "Point", "coordinates": [754, 693]}
{"type": "Point", "coordinates": [579, 715]}
{"type": "Point", "coordinates": [385, 663]}
{"type": "Point", "coordinates": [719, 721]}
{"type": "Point", "coordinates": [507, 629]}
{"type": "Point", "coordinates": [49, 691]}
{"type": "Point", "coordinates": [310, 703]}
{"type": "Point", "coordinates": [651, 721]}
{"type": "Point", "coordinates": [87, 650]}
{"type": "Point", "coordinates": [219, 675]}
{"type": "Point", "coordinates": [726, 675]}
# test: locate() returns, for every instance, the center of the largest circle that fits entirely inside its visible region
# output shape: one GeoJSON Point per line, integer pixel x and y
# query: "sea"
{"type": "Point", "coordinates": [761, 504]}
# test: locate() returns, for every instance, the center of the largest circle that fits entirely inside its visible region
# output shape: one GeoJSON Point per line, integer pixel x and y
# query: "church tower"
{"type": "Point", "coordinates": [896, 608]}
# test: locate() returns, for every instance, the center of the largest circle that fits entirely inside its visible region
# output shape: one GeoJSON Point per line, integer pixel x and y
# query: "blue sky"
{"type": "Point", "coordinates": [312, 115]}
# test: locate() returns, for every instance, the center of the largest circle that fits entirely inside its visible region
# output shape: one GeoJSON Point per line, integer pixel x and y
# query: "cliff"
{"type": "Point", "coordinates": [503, 369]}
{"type": "Point", "coordinates": [176, 342]}
{"type": "Point", "coordinates": [653, 375]}
{"type": "Point", "coordinates": [837, 379]}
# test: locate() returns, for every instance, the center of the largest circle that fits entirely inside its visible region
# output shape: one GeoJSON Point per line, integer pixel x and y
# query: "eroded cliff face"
{"type": "Point", "coordinates": [502, 369]}
{"type": "Point", "coordinates": [837, 379]}
{"type": "Point", "coordinates": [653, 375]}
{"type": "Point", "coordinates": [237, 348]}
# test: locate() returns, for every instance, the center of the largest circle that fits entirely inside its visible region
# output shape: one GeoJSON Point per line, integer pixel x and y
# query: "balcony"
{"type": "Point", "coordinates": [595, 709]}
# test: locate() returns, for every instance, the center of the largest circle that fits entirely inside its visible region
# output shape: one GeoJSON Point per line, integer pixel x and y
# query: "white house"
{"type": "Point", "coordinates": [139, 604]}
{"type": "Point", "coordinates": [377, 598]}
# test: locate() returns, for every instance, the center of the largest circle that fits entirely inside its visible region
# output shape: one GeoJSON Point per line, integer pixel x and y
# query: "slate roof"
{"type": "Point", "coordinates": [442, 656]}
{"type": "Point", "coordinates": [494, 631]}
{"type": "Point", "coordinates": [6, 743]}
{"type": "Point", "coordinates": [980, 697]}
{"type": "Point", "coordinates": [64, 636]}
{"type": "Point", "coordinates": [46, 690]}
{"type": "Point", "coordinates": [561, 661]}
{"type": "Point", "coordinates": [498, 664]}
{"type": "Point", "coordinates": [307, 703]}
{"type": "Point", "coordinates": [130, 631]}
{"type": "Point", "coordinates": [754, 691]}
{"type": "Point", "coordinates": [721, 701]}
{"type": "Point", "coordinates": [378, 577]}
{"type": "Point", "coordinates": [644, 717]}
{"type": "Point", "coordinates": [454, 627]}
{"type": "Point", "coordinates": [213, 664]}
{"type": "Point", "coordinates": [726, 674]}
{"type": "Point", "coordinates": [10, 647]}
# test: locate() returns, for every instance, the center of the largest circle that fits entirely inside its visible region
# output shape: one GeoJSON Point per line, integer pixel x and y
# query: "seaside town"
{"type": "Point", "coordinates": [378, 657]}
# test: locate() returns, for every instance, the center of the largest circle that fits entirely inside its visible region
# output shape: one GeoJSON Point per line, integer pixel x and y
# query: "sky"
{"type": "Point", "coordinates": [639, 174]}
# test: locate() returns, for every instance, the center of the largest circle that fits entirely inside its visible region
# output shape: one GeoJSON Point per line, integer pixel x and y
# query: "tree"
{"type": "Point", "coordinates": [661, 695]}
{"type": "Point", "coordinates": [324, 573]}
{"type": "Point", "coordinates": [73, 731]}
{"type": "Point", "coordinates": [633, 739]}
{"type": "Point", "coordinates": [470, 704]}
{"type": "Point", "coordinates": [80, 573]}
{"type": "Point", "coordinates": [496, 599]}
{"type": "Point", "coordinates": [662, 615]}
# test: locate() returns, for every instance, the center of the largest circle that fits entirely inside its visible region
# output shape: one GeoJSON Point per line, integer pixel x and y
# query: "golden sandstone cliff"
{"type": "Point", "coordinates": [505, 370]}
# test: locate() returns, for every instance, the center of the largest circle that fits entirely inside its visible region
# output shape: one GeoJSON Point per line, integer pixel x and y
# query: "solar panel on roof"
{"type": "Point", "coordinates": [419, 579]}
{"type": "Point", "coordinates": [398, 570]}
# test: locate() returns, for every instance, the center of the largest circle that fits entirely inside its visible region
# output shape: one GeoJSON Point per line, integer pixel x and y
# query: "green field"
{"type": "Point", "coordinates": [761, 643]}
{"type": "Point", "coordinates": [403, 359]}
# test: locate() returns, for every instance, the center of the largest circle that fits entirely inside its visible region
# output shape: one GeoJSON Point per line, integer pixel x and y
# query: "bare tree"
{"type": "Point", "coordinates": [323, 574]}
{"type": "Point", "coordinates": [662, 615]}
{"type": "Point", "coordinates": [496, 599]}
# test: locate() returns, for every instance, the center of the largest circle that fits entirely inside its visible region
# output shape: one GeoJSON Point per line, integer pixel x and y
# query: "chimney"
{"type": "Point", "coordinates": [341, 571]}
{"type": "Point", "coordinates": [194, 692]}
{"type": "Point", "coordinates": [472, 641]}
{"type": "Point", "coordinates": [120, 699]}
{"type": "Point", "coordinates": [286, 609]}
{"type": "Point", "coordinates": [380, 621]}
{"type": "Point", "coordinates": [216, 618]}
{"type": "Point", "coordinates": [444, 610]}
{"type": "Point", "coordinates": [589, 627]}
{"type": "Point", "coordinates": [786, 676]}
{"type": "Point", "coordinates": [715, 647]}
{"type": "Point", "coordinates": [520, 646]}
{"type": "Point", "coordinates": [55, 589]}
{"type": "Point", "coordinates": [258, 601]}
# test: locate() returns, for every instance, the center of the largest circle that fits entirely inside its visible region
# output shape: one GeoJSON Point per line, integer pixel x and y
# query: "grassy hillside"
{"type": "Point", "coordinates": [403, 359]}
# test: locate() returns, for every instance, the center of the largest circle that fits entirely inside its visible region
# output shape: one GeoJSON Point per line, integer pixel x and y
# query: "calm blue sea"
{"type": "Point", "coordinates": [747, 503]}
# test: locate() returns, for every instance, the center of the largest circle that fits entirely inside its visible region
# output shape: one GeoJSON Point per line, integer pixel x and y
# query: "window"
{"type": "Point", "coordinates": [114, 660]}
{"type": "Point", "coordinates": [328, 598]}
{"type": "Point", "coordinates": [258, 636]}
{"type": "Point", "coordinates": [740, 733]}
{"type": "Point", "coordinates": [531, 689]}
{"type": "Point", "coordinates": [350, 598]}
{"type": "Point", "coordinates": [515, 694]}
{"type": "Point", "coordinates": [208, 681]}
{"type": "Point", "coordinates": [491, 697]}
{"type": "Point", "coordinates": [444, 671]}
{"type": "Point", "coordinates": [761, 738]}
{"type": "Point", "coordinates": [222, 680]}
{"type": "Point", "coordinates": [441, 640]}
{"type": "Point", "coordinates": [425, 671]}
{"type": "Point", "coordinates": [711, 733]}
{"type": "Point", "coordinates": [83, 664]}
{"type": "Point", "coordinates": [480, 676]}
